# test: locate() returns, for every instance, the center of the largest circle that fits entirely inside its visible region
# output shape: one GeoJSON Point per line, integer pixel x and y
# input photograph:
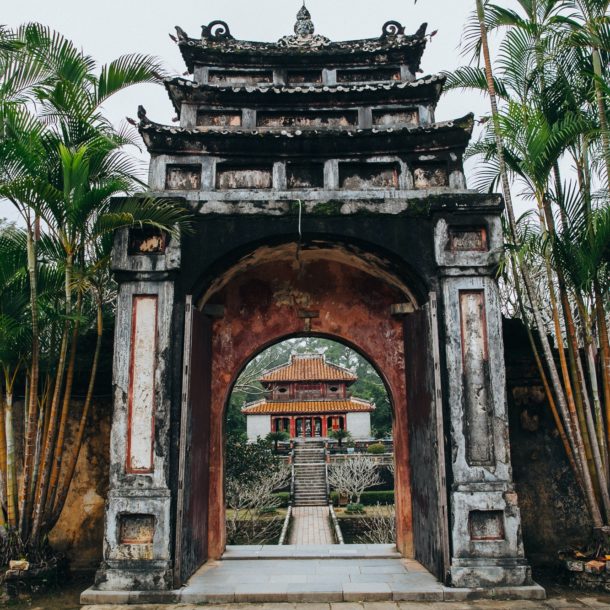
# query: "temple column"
{"type": "Point", "coordinates": [138, 526]}
{"type": "Point", "coordinates": [324, 426]}
{"type": "Point", "coordinates": [485, 524]}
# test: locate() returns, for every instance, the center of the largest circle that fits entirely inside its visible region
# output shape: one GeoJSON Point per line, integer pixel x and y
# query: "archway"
{"type": "Point", "coordinates": [299, 412]}
{"type": "Point", "coordinates": [287, 291]}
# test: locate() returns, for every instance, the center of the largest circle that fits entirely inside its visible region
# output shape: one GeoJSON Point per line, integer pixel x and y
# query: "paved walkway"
{"type": "Point", "coordinates": [586, 602]}
{"type": "Point", "coordinates": [314, 580]}
{"type": "Point", "coordinates": [311, 525]}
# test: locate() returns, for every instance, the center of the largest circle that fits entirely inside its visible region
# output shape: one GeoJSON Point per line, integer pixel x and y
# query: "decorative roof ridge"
{"type": "Point", "coordinates": [313, 88]}
{"type": "Point", "coordinates": [466, 122]}
{"type": "Point", "coordinates": [217, 36]}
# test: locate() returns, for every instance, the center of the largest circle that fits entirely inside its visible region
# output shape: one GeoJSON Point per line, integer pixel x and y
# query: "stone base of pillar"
{"type": "Point", "coordinates": [486, 573]}
{"type": "Point", "coordinates": [134, 576]}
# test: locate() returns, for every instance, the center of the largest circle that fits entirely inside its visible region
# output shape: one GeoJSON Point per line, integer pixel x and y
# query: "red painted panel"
{"type": "Point", "coordinates": [141, 412]}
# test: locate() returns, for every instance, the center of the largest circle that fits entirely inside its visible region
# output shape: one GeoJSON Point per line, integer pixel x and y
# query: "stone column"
{"type": "Point", "coordinates": [485, 527]}
{"type": "Point", "coordinates": [138, 535]}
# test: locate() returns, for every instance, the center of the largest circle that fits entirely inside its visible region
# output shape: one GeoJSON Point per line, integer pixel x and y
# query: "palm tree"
{"type": "Point", "coordinates": [550, 108]}
{"type": "Point", "coordinates": [276, 437]}
{"type": "Point", "coordinates": [61, 164]}
{"type": "Point", "coordinates": [340, 436]}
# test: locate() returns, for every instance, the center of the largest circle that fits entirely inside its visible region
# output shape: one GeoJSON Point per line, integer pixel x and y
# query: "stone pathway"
{"type": "Point", "coordinates": [303, 579]}
{"type": "Point", "coordinates": [311, 525]}
{"type": "Point", "coordinates": [586, 602]}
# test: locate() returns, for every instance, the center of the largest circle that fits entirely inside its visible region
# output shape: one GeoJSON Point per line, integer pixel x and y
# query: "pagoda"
{"type": "Point", "coordinates": [308, 398]}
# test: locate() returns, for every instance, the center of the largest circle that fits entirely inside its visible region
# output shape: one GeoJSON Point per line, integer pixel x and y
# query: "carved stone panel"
{"type": "Point", "coordinates": [305, 175]}
{"type": "Point", "coordinates": [363, 176]}
{"type": "Point", "coordinates": [475, 363]}
{"type": "Point", "coordinates": [430, 175]}
{"type": "Point", "coordinates": [467, 239]}
{"type": "Point", "coordinates": [241, 177]}
{"type": "Point", "coordinates": [396, 117]}
{"type": "Point", "coordinates": [486, 525]}
{"type": "Point", "coordinates": [136, 529]}
{"type": "Point", "coordinates": [142, 385]}
{"type": "Point", "coordinates": [183, 177]}
{"type": "Point", "coordinates": [307, 119]}
{"type": "Point", "coordinates": [219, 118]}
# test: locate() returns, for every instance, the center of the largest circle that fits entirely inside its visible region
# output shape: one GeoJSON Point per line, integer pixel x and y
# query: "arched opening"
{"type": "Point", "coordinates": [313, 409]}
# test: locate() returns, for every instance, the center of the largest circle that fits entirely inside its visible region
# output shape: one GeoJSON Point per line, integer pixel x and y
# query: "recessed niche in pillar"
{"type": "Point", "coordinates": [147, 240]}
{"type": "Point", "coordinates": [219, 77]}
{"type": "Point", "coordinates": [396, 117]}
{"type": "Point", "coordinates": [243, 177]}
{"type": "Point", "coordinates": [140, 425]}
{"type": "Point", "coordinates": [467, 239]}
{"type": "Point", "coordinates": [219, 118]}
{"type": "Point", "coordinates": [136, 529]}
{"type": "Point", "coordinates": [305, 119]}
{"type": "Point", "coordinates": [370, 75]}
{"type": "Point", "coordinates": [486, 525]}
{"type": "Point", "coordinates": [476, 395]}
{"type": "Point", "coordinates": [356, 176]}
{"type": "Point", "coordinates": [305, 175]}
{"type": "Point", "coordinates": [183, 177]}
{"type": "Point", "coordinates": [430, 175]}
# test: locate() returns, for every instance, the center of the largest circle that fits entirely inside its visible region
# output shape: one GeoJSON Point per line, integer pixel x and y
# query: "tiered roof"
{"type": "Point", "coordinates": [308, 367]}
{"type": "Point", "coordinates": [350, 405]}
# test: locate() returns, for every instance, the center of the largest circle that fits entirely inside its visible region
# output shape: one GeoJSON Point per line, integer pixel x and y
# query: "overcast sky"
{"type": "Point", "coordinates": [111, 28]}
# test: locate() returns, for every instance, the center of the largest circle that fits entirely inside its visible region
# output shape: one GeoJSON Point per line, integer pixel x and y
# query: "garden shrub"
{"type": "Point", "coordinates": [376, 448]}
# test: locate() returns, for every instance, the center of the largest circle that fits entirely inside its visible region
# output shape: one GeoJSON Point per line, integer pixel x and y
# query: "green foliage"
{"type": "Point", "coordinates": [246, 462]}
{"type": "Point", "coordinates": [340, 436]}
{"type": "Point", "coordinates": [376, 448]}
{"type": "Point", "coordinates": [283, 498]}
{"type": "Point", "coordinates": [354, 509]}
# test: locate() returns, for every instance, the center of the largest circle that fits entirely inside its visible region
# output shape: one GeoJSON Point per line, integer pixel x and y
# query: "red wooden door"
{"type": "Point", "coordinates": [426, 440]}
{"type": "Point", "coordinates": [193, 475]}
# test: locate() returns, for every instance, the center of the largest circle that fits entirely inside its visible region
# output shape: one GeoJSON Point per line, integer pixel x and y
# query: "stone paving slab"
{"type": "Point", "coordinates": [581, 602]}
{"type": "Point", "coordinates": [311, 526]}
{"type": "Point", "coordinates": [324, 580]}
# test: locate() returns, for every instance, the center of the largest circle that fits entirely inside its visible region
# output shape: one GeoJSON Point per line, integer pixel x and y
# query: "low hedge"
{"type": "Point", "coordinates": [369, 498]}
{"type": "Point", "coordinates": [284, 497]}
{"type": "Point", "coordinates": [376, 448]}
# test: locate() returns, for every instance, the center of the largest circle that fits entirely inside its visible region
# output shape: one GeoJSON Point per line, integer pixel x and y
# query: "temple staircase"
{"type": "Point", "coordinates": [309, 473]}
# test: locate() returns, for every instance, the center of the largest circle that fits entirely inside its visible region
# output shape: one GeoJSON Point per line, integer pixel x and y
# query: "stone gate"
{"type": "Point", "coordinates": [329, 203]}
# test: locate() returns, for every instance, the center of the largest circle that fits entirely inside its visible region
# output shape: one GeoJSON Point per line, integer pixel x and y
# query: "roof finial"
{"type": "Point", "coordinates": [304, 25]}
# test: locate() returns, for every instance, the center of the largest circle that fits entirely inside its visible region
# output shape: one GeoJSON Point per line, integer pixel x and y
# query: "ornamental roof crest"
{"type": "Point", "coordinates": [304, 33]}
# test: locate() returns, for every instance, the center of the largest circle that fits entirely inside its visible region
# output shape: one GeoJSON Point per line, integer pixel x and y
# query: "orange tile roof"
{"type": "Point", "coordinates": [308, 368]}
{"type": "Point", "coordinates": [265, 407]}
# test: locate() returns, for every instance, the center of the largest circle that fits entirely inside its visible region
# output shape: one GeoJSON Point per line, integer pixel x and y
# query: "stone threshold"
{"type": "Point", "coordinates": [314, 594]}
{"type": "Point", "coordinates": [309, 578]}
{"type": "Point", "coordinates": [313, 551]}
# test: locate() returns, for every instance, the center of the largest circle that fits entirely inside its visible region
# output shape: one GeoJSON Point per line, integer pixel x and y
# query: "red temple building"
{"type": "Point", "coordinates": [308, 397]}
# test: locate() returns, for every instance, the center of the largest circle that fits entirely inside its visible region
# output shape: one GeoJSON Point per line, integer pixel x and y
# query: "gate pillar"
{"type": "Point", "coordinates": [485, 527]}
{"type": "Point", "coordinates": [138, 532]}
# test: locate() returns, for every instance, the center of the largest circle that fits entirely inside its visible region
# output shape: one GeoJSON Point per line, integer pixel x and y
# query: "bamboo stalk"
{"type": "Point", "coordinates": [72, 460]}
{"type": "Point", "coordinates": [59, 445]}
{"type": "Point", "coordinates": [25, 496]}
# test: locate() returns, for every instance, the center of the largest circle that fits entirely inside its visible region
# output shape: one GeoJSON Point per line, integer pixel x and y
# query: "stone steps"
{"type": "Point", "coordinates": [310, 474]}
